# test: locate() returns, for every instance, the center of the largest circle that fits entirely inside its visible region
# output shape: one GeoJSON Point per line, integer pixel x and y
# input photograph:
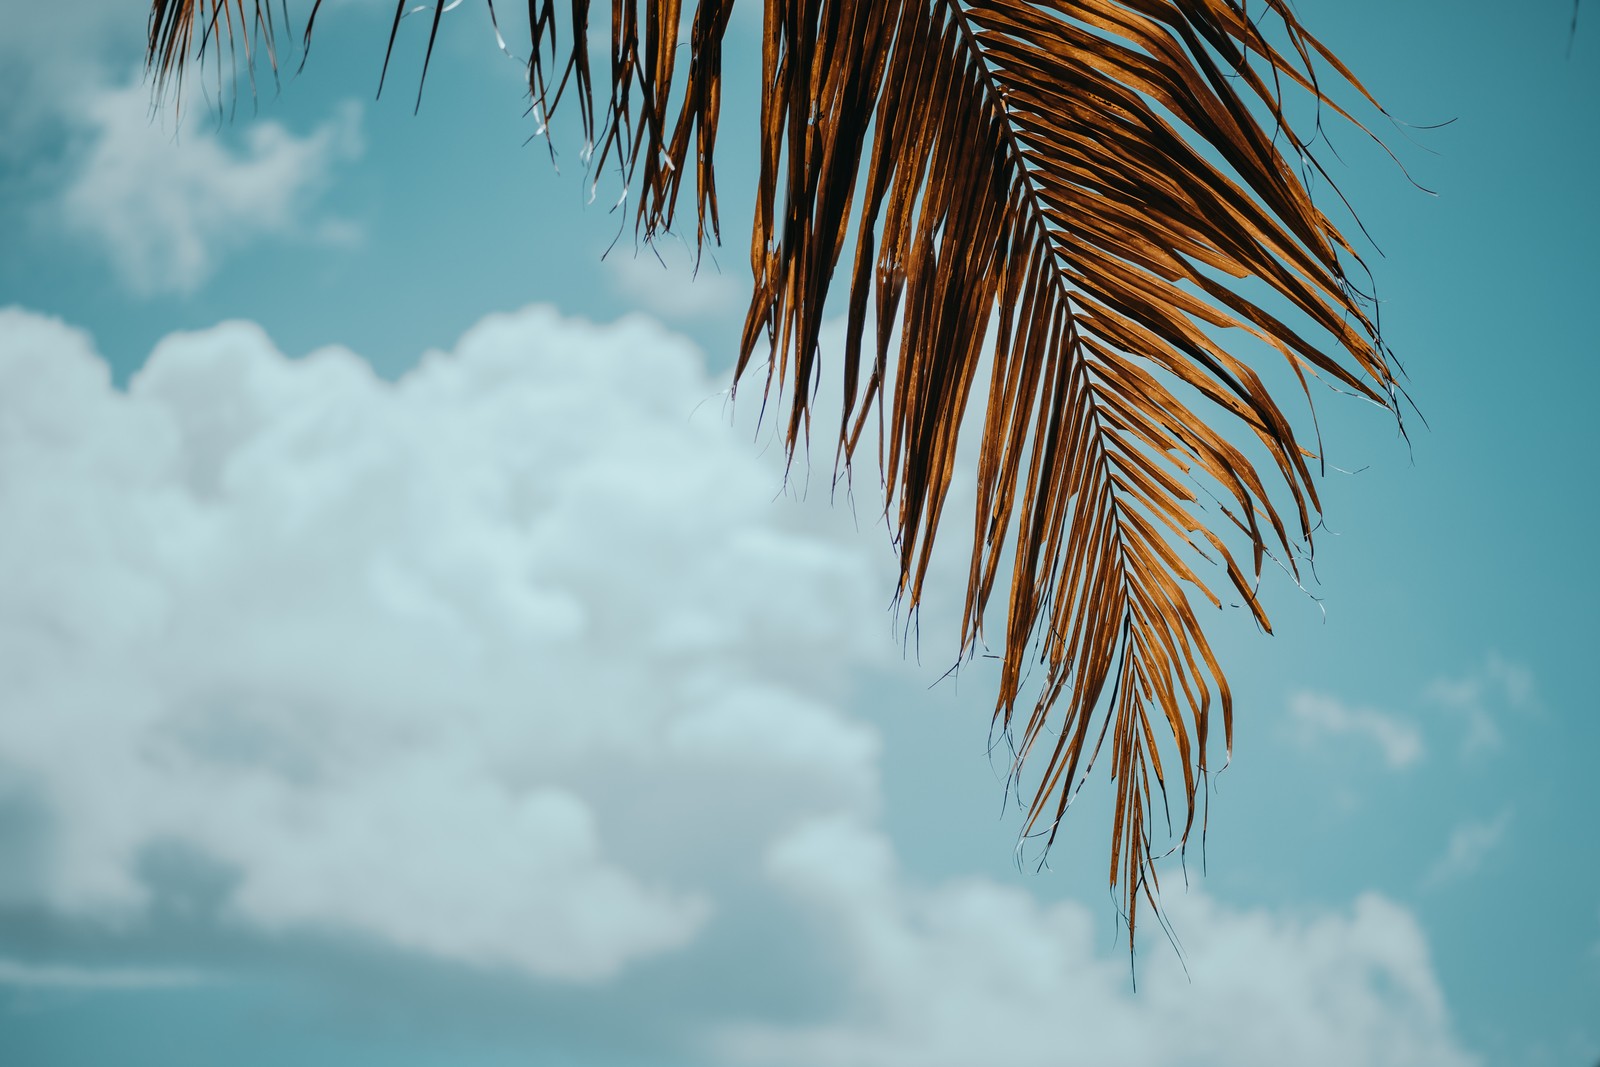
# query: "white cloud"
{"type": "Point", "coordinates": [1480, 696]}
{"type": "Point", "coordinates": [61, 976]}
{"type": "Point", "coordinates": [969, 972]}
{"type": "Point", "coordinates": [85, 154]}
{"type": "Point", "coordinates": [1316, 716]}
{"type": "Point", "coordinates": [166, 200]}
{"type": "Point", "coordinates": [671, 285]}
{"type": "Point", "coordinates": [517, 662]}
{"type": "Point", "coordinates": [1470, 844]}
{"type": "Point", "coordinates": [49, 53]}
{"type": "Point", "coordinates": [420, 660]}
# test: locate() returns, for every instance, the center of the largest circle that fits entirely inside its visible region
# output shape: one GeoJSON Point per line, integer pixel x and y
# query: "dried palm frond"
{"type": "Point", "coordinates": [1061, 195]}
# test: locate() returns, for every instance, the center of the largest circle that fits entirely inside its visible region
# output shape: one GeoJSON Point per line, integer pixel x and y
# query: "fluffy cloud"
{"type": "Point", "coordinates": [1315, 716]}
{"type": "Point", "coordinates": [517, 662]}
{"type": "Point", "coordinates": [415, 659]}
{"type": "Point", "coordinates": [167, 199]}
{"type": "Point", "coordinates": [83, 153]}
{"type": "Point", "coordinates": [969, 972]}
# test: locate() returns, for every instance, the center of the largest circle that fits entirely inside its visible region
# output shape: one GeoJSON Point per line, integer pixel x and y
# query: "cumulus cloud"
{"type": "Point", "coordinates": [85, 155]}
{"type": "Point", "coordinates": [416, 660]}
{"type": "Point", "coordinates": [1470, 844]}
{"type": "Point", "coordinates": [970, 972]}
{"type": "Point", "coordinates": [167, 199]}
{"type": "Point", "coordinates": [517, 662]}
{"type": "Point", "coordinates": [1315, 716]}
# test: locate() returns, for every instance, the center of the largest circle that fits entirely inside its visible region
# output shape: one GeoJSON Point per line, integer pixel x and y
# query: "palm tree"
{"type": "Point", "coordinates": [1067, 196]}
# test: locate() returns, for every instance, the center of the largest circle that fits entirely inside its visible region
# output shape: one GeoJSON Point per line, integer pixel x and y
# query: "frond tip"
{"type": "Point", "coordinates": [1070, 202]}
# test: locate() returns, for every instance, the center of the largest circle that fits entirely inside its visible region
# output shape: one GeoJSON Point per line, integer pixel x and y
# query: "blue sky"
{"type": "Point", "coordinates": [410, 658]}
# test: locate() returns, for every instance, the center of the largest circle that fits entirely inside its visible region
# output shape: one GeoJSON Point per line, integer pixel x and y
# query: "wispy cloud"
{"type": "Point", "coordinates": [1470, 844]}
{"type": "Point", "coordinates": [50, 53]}
{"type": "Point", "coordinates": [1480, 697]}
{"type": "Point", "coordinates": [665, 279]}
{"type": "Point", "coordinates": [1317, 716]}
{"type": "Point", "coordinates": [66, 976]}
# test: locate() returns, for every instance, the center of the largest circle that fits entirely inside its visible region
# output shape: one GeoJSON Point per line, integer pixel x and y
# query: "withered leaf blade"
{"type": "Point", "coordinates": [1039, 173]}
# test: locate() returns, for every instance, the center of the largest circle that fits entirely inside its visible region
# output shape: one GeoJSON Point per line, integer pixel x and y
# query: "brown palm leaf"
{"type": "Point", "coordinates": [1070, 192]}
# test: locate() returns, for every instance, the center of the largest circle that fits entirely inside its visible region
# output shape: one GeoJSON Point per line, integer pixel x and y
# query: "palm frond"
{"type": "Point", "coordinates": [1063, 195]}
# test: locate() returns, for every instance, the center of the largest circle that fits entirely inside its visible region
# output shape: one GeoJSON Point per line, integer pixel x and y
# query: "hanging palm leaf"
{"type": "Point", "coordinates": [1061, 195]}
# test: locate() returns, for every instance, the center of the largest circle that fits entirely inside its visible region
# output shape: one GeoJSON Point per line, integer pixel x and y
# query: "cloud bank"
{"type": "Point", "coordinates": [385, 649]}
{"type": "Point", "coordinates": [517, 663]}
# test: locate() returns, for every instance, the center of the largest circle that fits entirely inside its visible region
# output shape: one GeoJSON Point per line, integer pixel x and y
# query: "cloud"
{"type": "Point", "coordinates": [664, 279]}
{"type": "Point", "coordinates": [166, 202]}
{"type": "Point", "coordinates": [1470, 844]}
{"type": "Point", "coordinates": [421, 661]}
{"type": "Point", "coordinates": [49, 53]}
{"type": "Point", "coordinates": [970, 972]}
{"type": "Point", "coordinates": [1315, 716]}
{"type": "Point", "coordinates": [1476, 698]}
{"type": "Point", "coordinates": [60, 976]}
{"type": "Point", "coordinates": [517, 663]}
{"type": "Point", "coordinates": [82, 151]}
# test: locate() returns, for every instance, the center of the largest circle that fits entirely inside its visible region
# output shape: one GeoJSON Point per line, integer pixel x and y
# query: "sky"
{"type": "Point", "coordinates": [409, 654]}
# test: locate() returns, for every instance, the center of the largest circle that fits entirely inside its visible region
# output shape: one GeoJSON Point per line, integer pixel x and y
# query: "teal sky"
{"type": "Point", "coordinates": [470, 695]}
